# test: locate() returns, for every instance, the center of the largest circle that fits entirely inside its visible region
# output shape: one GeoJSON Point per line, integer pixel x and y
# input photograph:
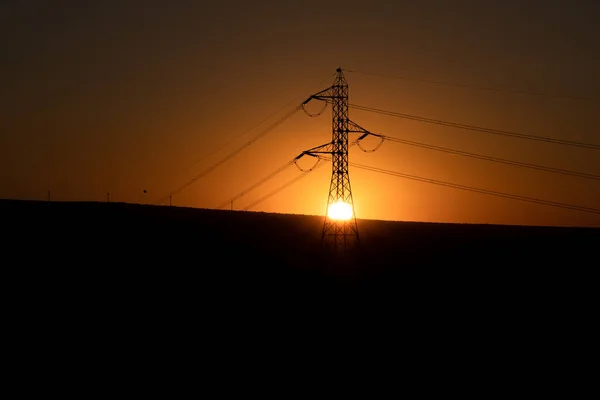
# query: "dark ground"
{"type": "Point", "coordinates": [133, 241]}
{"type": "Point", "coordinates": [134, 254]}
{"type": "Point", "coordinates": [155, 291]}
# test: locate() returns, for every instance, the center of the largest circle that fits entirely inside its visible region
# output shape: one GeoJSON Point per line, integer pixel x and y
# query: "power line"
{"type": "Point", "coordinates": [257, 184]}
{"type": "Point", "coordinates": [284, 186]}
{"type": "Point", "coordinates": [488, 158]}
{"type": "Point", "coordinates": [476, 87]}
{"type": "Point", "coordinates": [215, 150]}
{"type": "Point", "coordinates": [281, 169]}
{"type": "Point", "coordinates": [231, 155]}
{"type": "Point", "coordinates": [477, 128]}
{"type": "Point", "coordinates": [477, 190]}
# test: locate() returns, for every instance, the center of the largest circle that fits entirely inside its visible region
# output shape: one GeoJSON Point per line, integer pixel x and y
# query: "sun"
{"type": "Point", "coordinates": [340, 210]}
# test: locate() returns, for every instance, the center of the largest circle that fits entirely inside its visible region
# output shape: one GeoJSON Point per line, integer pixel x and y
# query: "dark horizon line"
{"type": "Point", "coordinates": [122, 203]}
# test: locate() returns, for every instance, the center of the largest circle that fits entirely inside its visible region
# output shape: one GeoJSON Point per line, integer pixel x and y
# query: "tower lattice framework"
{"type": "Point", "coordinates": [341, 234]}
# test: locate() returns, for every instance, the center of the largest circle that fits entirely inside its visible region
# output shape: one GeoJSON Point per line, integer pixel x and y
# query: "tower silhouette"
{"type": "Point", "coordinates": [340, 229]}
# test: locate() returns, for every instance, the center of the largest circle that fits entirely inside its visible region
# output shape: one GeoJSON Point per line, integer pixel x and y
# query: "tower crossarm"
{"type": "Point", "coordinates": [322, 149]}
{"type": "Point", "coordinates": [333, 92]}
{"type": "Point", "coordinates": [354, 127]}
{"type": "Point", "coordinates": [323, 95]}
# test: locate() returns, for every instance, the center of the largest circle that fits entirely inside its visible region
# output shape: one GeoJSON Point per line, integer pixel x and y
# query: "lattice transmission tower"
{"type": "Point", "coordinates": [340, 229]}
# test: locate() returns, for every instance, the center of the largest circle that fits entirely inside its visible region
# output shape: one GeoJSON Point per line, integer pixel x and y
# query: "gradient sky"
{"type": "Point", "coordinates": [126, 96]}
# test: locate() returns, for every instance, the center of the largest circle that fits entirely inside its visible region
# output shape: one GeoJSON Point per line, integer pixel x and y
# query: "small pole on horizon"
{"type": "Point", "coordinates": [48, 194]}
{"type": "Point", "coordinates": [231, 205]}
{"type": "Point", "coordinates": [170, 201]}
{"type": "Point", "coordinates": [108, 197]}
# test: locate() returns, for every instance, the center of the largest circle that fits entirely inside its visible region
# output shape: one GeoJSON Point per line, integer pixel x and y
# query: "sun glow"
{"type": "Point", "coordinates": [340, 210]}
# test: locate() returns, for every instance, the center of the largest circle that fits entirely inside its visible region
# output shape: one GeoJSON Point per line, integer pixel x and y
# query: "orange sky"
{"type": "Point", "coordinates": [104, 97]}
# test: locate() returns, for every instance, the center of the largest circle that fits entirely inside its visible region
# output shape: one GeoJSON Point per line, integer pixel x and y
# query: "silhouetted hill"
{"type": "Point", "coordinates": [130, 251]}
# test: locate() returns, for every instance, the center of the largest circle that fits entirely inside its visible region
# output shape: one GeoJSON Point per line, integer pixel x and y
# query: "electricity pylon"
{"type": "Point", "coordinates": [341, 230]}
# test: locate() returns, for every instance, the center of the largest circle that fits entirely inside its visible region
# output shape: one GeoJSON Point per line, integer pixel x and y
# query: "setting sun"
{"type": "Point", "coordinates": [340, 211]}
